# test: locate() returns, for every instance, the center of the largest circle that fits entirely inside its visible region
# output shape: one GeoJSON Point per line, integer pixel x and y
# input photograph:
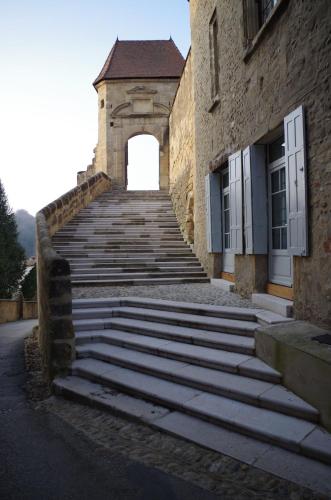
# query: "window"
{"type": "Point", "coordinates": [257, 12]}
{"type": "Point", "coordinates": [278, 210]}
{"type": "Point", "coordinates": [226, 210]}
{"type": "Point", "coordinates": [214, 54]}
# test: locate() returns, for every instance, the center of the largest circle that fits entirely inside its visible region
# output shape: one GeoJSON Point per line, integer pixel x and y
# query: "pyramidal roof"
{"type": "Point", "coordinates": [142, 59]}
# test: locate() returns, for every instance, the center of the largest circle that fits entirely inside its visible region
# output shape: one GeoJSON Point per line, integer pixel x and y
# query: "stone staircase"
{"type": "Point", "coordinates": [128, 238]}
{"type": "Point", "coordinates": [190, 369]}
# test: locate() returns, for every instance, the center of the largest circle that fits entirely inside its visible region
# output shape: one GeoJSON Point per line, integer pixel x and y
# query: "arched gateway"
{"type": "Point", "coordinates": [136, 89]}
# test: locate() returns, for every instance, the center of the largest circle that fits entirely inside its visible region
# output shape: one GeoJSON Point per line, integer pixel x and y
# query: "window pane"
{"type": "Point", "coordinates": [284, 238]}
{"type": "Point", "coordinates": [226, 180]}
{"type": "Point", "coordinates": [227, 241]}
{"type": "Point", "coordinates": [227, 221]}
{"type": "Point", "coordinates": [276, 149]}
{"type": "Point", "coordinates": [279, 209]}
{"type": "Point", "coordinates": [276, 239]}
{"type": "Point", "coordinates": [282, 179]}
{"type": "Point", "coordinates": [275, 182]}
{"type": "Point", "coordinates": [226, 202]}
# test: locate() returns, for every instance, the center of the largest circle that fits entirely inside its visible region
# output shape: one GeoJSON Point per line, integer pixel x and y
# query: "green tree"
{"type": "Point", "coordinates": [29, 285]}
{"type": "Point", "coordinates": [12, 257]}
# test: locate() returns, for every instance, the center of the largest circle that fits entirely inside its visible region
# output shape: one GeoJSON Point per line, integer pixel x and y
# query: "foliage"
{"type": "Point", "coordinates": [12, 257]}
{"type": "Point", "coordinates": [29, 285]}
{"type": "Point", "coordinates": [26, 232]}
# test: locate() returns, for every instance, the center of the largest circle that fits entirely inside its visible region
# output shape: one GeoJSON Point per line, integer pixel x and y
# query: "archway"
{"type": "Point", "coordinates": [143, 162]}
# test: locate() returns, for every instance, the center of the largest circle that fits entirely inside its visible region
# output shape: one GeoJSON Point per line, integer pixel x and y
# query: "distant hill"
{"type": "Point", "coordinates": [26, 232]}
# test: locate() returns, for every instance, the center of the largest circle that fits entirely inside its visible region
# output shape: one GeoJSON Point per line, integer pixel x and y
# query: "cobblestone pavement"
{"type": "Point", "coordinates": [222, 475]}
{"type": "Point", "coordinates": [203, 293]}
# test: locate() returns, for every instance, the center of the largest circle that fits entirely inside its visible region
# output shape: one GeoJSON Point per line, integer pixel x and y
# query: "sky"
{"type": "Point", "coordinates": [50, 53]}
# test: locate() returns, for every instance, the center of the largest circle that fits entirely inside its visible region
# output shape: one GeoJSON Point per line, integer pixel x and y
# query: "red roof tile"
{"type": "Point", "coordinates": [142, 59]}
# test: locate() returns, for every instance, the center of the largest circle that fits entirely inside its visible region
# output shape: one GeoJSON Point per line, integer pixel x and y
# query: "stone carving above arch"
{"type": "Point", "coordinates": [161, 108]}
{"type": "Point", "coordinates": [121, 107]}
{"type": "Point", "coordinates": [141, 89]}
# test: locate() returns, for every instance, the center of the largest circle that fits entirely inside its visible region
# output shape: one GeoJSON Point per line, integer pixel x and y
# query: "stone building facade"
{"type": "Point", "coordinates": [261, 161]}
{"type": "Point", "coordinates": [136, 89]}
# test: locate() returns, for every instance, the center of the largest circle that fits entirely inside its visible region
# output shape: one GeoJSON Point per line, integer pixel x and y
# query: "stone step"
{"type": "Point", "coordinates": [90, 267]}
{"type": "Point", "coordinates": [234, 386]}
{"type": "Point", "coordinates": [223, 325]}
{"type": "Point", "coordinates": [116, 238]}
{"type": "Point", "coordinates": [169, 254]}
{"type": "Point", "coordinates": [142, 269]}
{"type": "Point", "coordinates": [210, 310]}
{"type": "Point", "coordinates": [139, 282]}
{"type": "Point", "coordinates": [133, 260]}
{"type": "Point", "coordinates": [79, 276]}
{"type": "Point", "coordinates": [140, 244]}
{"type": "Point", "coordinates": [304, 470]}
{"type": "Point", "coordinates": [204, 338]}
{"type": "Point", "coordinates": [266, 425]}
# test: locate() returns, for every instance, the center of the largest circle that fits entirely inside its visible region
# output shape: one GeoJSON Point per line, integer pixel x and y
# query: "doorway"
{"type": "Point", "coordinates": [228, 255]}
{"type": "Point", "coordinates": [280, 262]}
{"type": "Point", "coordinates": [143, 160]}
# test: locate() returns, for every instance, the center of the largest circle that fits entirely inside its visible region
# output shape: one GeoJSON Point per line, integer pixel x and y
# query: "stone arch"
{"type": "Point", "coordinates": [157, 144]}
{"type": "Point", "coordinates": [161, 137]}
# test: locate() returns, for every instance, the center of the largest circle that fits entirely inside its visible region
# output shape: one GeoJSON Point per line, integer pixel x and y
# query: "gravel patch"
{"type": "Point", "coordinates": [202, 293]}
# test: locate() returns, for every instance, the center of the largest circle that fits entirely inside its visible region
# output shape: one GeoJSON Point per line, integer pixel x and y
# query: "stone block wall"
{"type": "Point", "coordinates": [289, 66]}
{"type": "Point", "coordinates": [56, 333]}
{"type": "Point", "coordinates": [17, 309]}
{"type": "Point", "coordinates": [182, 153]}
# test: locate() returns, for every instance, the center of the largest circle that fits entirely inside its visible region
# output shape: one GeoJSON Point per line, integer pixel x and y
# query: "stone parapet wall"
{"type": "Point", "coordinates": [56, 333]}
{"type": "Point", "coordinates": [15, 310]}
{"type": "Point", "coordinates": [182, 153]}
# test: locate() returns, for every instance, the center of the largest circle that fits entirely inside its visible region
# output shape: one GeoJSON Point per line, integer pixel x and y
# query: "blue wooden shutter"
{"type": "Point", "coordinates": [295, 156]}
{"type": "Point", "coordinates": [236, 215]}
{"type": "Point", "coordinates": [255, 200]}
{"type": "Point", "coordinates": [213, 213]}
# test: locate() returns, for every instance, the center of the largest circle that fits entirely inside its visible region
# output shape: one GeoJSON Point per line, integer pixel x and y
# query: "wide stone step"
{"type": "Point", "coordinates": [121, 244]}
{"type": "Point", "coordinates": [119, 254]}
{"type": "Point", "coordinates": [78, 276]}
{"type": "Point", "coordinates": [266, 425]}
{"type": "Point", "coordinates": [142, 269]}
{"type": "Point", "coordinates": [250, 390]}
{"type": "Point", "coordinates": [304, 470]}
{"type": "Point", "coordinates": [205, 338]}
{"type": "Point", "coordinates": [103, 260]}
{"type": "Point", "coordinates": [191, 308]}
{"type": "Point", "coordinates": [90, 267]}
{"type": "Point", "coordinates": [139, 282]}
{"type": "Point", "coordinates": [223, 325]}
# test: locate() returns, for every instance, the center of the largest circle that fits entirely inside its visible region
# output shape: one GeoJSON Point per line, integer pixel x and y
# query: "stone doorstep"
{"type": "Point", "coordinates": [225, 285]}
{"type": "Point", "coordinates": [275, 304]}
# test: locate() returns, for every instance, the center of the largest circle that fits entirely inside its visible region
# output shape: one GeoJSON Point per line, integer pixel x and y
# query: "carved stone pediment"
{"type": "Point", "coordinates": [141, 89]}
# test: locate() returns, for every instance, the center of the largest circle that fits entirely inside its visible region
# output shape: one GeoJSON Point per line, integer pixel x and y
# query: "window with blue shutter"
{"type": "Point", "coordinates": [236, 218]}
{"type": "Point", "coordinates": [295, 157]}
{"type": "Point", "coordinates": [255, 200]}
{"type": "Point", "coordinates": [213, 213]}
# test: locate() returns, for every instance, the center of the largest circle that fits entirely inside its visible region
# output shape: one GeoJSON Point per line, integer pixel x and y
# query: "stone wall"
{"type": "Point", "coordinates": [56, 333]}
{"type": "Point", "coordinates": [15, 310]}
{"type": "Point", "coordinates": [182, 153]}
{"type": "Point", "coordinates": [288, 66]}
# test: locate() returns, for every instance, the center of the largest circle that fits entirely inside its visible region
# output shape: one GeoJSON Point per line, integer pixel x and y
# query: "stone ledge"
{"type": "Point", "coordinates": [275, 304]}
{"type": "Point", "coordinates": [304, 363]}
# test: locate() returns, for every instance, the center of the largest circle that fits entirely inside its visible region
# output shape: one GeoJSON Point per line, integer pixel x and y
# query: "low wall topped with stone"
{"type": "Point", "coordinates": [56, 333]}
